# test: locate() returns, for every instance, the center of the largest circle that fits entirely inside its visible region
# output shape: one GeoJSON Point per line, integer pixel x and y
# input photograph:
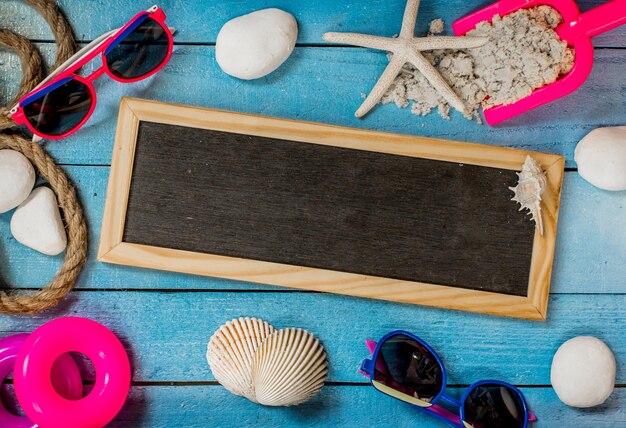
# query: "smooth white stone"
{"type": "Point", "coordinates": [583, 372]}
{"type": "Point", "coordinates": [17, 178]}
{"type": "Point", "coordinates": [253, 45]}
{"type": "Point", "coordinates": [601, 158]}
{"type": "Point", "coordinates": [37, 223]}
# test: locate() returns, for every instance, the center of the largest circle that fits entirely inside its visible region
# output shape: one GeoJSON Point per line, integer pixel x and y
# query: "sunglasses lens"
{"type": "Point", "coordinates": [60, 110]}
{"type": "Point", "coordinates": [494, 406]}
{"type": "Point", "coordinates": [140, 52]}
{"type": "Point", "coordinates": [405, 366]}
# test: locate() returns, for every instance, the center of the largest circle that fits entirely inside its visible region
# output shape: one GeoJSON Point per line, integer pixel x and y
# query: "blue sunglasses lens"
{"type": "Point", "coordinates": [406, 366]}
{"type": "Point", "coordinates": [494, 406]}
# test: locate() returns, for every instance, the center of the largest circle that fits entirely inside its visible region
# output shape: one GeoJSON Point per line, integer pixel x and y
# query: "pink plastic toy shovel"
{"type": "Point", "coordinates": [577, 29]}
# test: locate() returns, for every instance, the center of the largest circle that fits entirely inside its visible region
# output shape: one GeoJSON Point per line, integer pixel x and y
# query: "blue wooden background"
{"type": "Point", "coordinates": [165, 319]}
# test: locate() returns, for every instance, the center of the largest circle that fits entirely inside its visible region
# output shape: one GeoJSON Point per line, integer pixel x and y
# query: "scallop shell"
{"type": "Point", "coordinates": [289, 368]}
{"type": "Point", "coordinates": [530, 186]}
{"type": "Point", "coordinates": [231, 352]}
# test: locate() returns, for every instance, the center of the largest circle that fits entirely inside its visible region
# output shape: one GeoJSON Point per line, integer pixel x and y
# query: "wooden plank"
{"type": "Point", "coordinates": [588, 239]}
{"type": "Point", "coordinates": [199, 406]}
{"type": "Point", "coordinates": [588, 258]}
{"type": "Point", "coordinates": [335, 78]}
{"type": "Point", "coordinates": [166, 333]}
{"type": "Point", "coordinates": [200, 22]}
{"type": "Point", "coordinates": [337, 406]}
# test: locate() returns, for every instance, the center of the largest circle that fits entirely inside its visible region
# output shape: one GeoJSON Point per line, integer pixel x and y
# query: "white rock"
{"type": "Point", "coordinates": [601, 158]}
{"type": "Point", "coordinates": [17, 178]}
{"type": "Point", "coordinates": [37, 223]}
{"type": "Point", "coordinates": [583, 372]}
{"type": "Point", "coordinates": [253, 45]}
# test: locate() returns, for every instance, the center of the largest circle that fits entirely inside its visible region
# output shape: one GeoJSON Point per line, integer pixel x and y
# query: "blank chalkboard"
{"type": "Point", "coordinates": [236, 188]}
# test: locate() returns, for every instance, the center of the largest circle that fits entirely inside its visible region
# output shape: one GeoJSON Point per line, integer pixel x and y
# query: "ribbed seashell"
{"type": "Point", "coordinates": [289, 368]}
{"type": "Point", "coordinates": [530, 186]}
{"type": "Point", "coordinates": [231, 352]}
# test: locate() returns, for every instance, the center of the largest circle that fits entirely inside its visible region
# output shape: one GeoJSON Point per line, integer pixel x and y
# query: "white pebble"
{"type": "Point", "coordinates": [17, 178]}
{"type": "Point", "coordinates": [583, 372]}
{"type": "Point", "coordinates": [37, 223]}
{"type": "Point", "coordinates": [601, 158]}
{"type": "Point", "coordinates": [253, 45]}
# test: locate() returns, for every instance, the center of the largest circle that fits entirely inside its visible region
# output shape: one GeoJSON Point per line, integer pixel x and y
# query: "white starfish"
{"type": "Point", "coordinates": [406, 48]}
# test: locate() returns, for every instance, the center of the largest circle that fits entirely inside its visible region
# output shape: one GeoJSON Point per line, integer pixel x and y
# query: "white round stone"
{"type": "Point", "coordinates": [17, 178]}
{"type": "Point", "coordinates": [601, 158]}
{"type": "Point", "coordinates": [583, 372]}
{"type": "Point", "coordinates": [37, 223]}
{"type": "Point", "coordinates": [253, 45]}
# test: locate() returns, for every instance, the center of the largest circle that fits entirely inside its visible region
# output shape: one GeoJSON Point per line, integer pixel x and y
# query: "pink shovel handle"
{"type": "Point", "coordinates": [604, 17]}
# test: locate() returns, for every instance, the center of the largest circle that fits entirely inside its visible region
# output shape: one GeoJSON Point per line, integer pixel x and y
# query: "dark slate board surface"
{"type": "Point", "coordinates": [328, 207]}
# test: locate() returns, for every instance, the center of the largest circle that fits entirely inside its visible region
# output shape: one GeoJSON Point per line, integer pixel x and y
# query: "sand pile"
{"type": "Point", "coordinates": [524, 53]}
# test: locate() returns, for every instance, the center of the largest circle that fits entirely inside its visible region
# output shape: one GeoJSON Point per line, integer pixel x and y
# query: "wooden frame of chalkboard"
{"type": "Point", "coordinates": [121, 225]}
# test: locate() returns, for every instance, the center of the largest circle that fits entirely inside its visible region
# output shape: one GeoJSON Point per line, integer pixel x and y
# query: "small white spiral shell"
{"type": "Point", "coordinates": [530, 186]}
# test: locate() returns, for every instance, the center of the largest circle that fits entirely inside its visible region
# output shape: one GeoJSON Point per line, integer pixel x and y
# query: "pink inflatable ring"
{"type": "Point", "coordinates": [36, 393]}
{"type": "Point", "coordinates": [65, 378]}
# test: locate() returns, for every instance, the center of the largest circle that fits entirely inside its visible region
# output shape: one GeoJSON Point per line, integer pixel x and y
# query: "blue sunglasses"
{"type": "Point", "coordinates": [405, 367]}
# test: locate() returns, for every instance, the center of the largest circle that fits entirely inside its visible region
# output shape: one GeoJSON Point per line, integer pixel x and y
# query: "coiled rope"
{"type": "Point", "coordinates": [19, 302]}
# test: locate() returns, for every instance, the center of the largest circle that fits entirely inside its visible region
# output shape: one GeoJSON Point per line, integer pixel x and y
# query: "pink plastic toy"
{"type": "Point", "coordinates": [65, 378]}
{"type": "Point", "coordinates": [577, 29]}
{"type": "Point", "coordinates": [36, 393]}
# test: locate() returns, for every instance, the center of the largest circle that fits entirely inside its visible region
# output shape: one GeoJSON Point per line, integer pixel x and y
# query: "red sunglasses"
{"type": "Point", "coordinates": [64, 101]}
